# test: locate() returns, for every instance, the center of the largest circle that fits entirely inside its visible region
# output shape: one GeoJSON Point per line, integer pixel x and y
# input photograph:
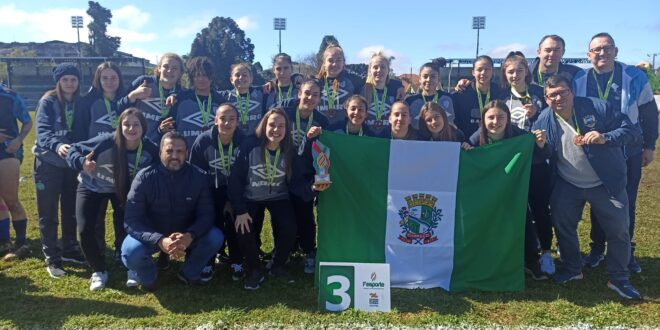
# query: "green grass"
{"type": "Point", "coordinates": [31, 299]}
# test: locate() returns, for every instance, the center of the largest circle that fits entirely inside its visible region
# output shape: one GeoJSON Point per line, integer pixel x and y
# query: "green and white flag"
{"type": "Point", "coordinates": [440, 216]}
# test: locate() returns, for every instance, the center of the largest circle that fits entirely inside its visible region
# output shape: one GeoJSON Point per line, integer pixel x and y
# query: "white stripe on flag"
{"type": "Point", "coordinates": [421, 202]}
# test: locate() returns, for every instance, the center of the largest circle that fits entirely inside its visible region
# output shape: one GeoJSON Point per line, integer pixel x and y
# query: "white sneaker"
{"type": "Point", "coordinates": [98, 281]}
{"type": "Point", "coordinates": [132, 279]}
{"type": "Point", "coordinates": [547, 263]}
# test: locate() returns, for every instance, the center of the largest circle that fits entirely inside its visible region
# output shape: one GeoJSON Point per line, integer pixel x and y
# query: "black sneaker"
{"type": "Point", "coordinates": [534, 270]}
{"type": "Point", "coordinates": [207, 274]}
{"type": "Point", "coordinates": [5, 247]}
{"type": "Point", "coordinates": [237, 272]}
{"type": "Point", "coordinates": [74, 256]}
{"type": "Point", "coordinates": [163, 262]}
{"type": "Point", "coordinates": [282, 275]}
{"type": "Point", "coordinates": [187, 281]}
{"type": "Point", "coordinates": [20, 252]}
{"type": "Point", "coordinates": [263, 255]}
{"type": "Point", "coordinates": [55, 269]}
{"type": "Point", "coordinates": [253, 280]}
{"type": "Point", "coordinates": [149, 287]}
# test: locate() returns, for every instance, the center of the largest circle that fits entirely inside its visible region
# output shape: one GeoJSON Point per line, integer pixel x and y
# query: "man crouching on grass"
{"type": "Point", "coordinates": [170, 209]}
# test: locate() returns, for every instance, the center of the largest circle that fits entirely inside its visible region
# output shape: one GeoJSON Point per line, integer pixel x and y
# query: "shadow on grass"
{"type": "Point", "coordinates": [26, 309]}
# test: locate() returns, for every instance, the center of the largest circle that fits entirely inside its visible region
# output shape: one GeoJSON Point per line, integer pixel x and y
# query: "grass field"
{"type": "Point", "coordinates": [31, 299]}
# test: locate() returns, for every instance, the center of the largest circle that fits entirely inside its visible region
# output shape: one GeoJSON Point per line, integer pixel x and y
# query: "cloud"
{"type": "Point", "coordinates": [45, 25]}
{"type": "Point", "coordinates": [502, 51]}
{"type": "Point", "coordinates": [246, 23]}
{"type": "Point", "coordinates": [130, 17]}
{"type": "Point", "coordinates": [190, 26]}
{"type": "Point", "coordinates": [55, 24]}
{"type": "Point", "coordinates": [400, 64]}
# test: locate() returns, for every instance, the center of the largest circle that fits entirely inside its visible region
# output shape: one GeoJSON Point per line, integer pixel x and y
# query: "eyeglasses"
{"type": "Point", "coordinates": [607, 49]}
{"type": "Point", "coordinates": [563, 93]}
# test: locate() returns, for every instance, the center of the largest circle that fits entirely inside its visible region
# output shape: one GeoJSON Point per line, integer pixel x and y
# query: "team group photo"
{"type": "Point", "coordinates": [514, 187]}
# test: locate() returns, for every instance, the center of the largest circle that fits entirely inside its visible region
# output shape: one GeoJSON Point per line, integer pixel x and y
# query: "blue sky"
{"type": "Point", "coordinates": [412, 31]}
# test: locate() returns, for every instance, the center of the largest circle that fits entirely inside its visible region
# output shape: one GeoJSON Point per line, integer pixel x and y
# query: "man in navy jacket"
{"type": "Point", "coordinates": [584, 144]}
{"type": "Point", "coordinates": [170, 209]}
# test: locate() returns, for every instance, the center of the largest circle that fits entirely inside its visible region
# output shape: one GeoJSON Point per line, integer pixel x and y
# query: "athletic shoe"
{"type": "Point", "coordinates": [310, 263]}
{"type": "Point", "coordinates": [132, 279]}
{"type": "Point", "coordinates": [593, 259]}
{"type": "Point", "coordinates": [237, 272]}
{"type": "Point", "coordinates": [151, 287]}
{"type": "Point", "coordinates": [563, 276]}
{"type": "Point", "coordinates": [624, 289]}
{"type": "Point", "coordinates": [74, 256]}
{"type": "Point", "coordinates": [534, 270]}
{"type": "Point", "coordinates": [98, 281]}
{"type": "Point", "coordinates": [222, 257]}
{"type": "Point", "coordinates": [547, 263]}
{"type": "Point", "coordinates": [55, 269]}
{"type": "Point", "coordinates": [5, 247]}
{"type": "Point", "coordinates": [163, 262]}
{"type": "Point", "coordinates": [20, 252]}
{"type": "Point", "coordinates": [187, 281]}
{"type": "Point", "coordinates": [207, 274]}
{"type": "Point", "coordinates": [282, 274]}
{"type": "Point", "coordinates": [263, 255]}
{"type": "Point", "coordinates": [253, 280]}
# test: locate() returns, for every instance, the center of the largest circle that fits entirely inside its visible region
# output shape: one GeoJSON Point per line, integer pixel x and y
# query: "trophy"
{"type": "Point", "coordinates": [321, 162]}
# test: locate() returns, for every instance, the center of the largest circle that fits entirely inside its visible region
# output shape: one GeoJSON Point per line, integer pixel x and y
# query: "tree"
{"type": "Point", "coordinates": [360, 68]}
{"type": "Point", "coordinates": [225, 44]}
{"type": "Point", "coordinates": [100, 44]}
{"type": "Point", "coordinates": [327, 40]}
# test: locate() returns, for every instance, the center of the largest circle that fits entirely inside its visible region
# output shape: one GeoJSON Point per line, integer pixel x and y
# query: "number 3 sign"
{"type": "Point", "coordinates": [354, 285]}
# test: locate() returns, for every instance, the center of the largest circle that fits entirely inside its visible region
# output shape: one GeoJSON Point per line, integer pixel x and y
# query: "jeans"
{"type": "Point", "coordinates": [634, 164]}
{"type": "Point", "coordinates": [137, 256]}
{"type": "Point", "coordinates": [567, 203]}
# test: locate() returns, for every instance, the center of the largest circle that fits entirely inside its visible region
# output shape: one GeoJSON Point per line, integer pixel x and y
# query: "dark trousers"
{"type": "Point", "coordinates": [225, 222]}
{"type": "Point", "coordinates": [282, 221]}
{"type": "Point", "coordinates": [597, 235]}
{"type": "Point", "coordinates": [539, 203]}
{"type": "Point", "coordinates": [258, 221]}
{"type": "Point", "coordinates": [304, 212]}
{"type": "Point", "coordinates": [88, 206]}
{"type": "Point", "coordinates": [56, 189]}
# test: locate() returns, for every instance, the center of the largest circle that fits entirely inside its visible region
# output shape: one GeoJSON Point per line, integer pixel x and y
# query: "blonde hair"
{"type": "Point", "coordinates": [323, 74]}
{"type": "Point", "coordinates": [370, 83]}
{"type": "Point", "coordinates": [169, 56]}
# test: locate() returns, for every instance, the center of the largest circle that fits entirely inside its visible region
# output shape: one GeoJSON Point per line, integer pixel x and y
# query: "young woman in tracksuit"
{"type": "Point", "coordinates": [400, 123]}
{"type": "Point", "coordinates": [195, 108]}
{"type": "Point", "coordinates": [215, 151]}
{"type": "Point", "coordinates": [435, 126]}
{"type": "Point", "coordinates": [107, 164]}
{"type": "Point", "coordinates": [356, 120]}
{"type": "Point", "coordinates": [495, 126]}
{"type": "Point", "coordinates": [150, 95]}
{"type": "Point", "coordinates": [306, 125]}
{"type": "Point", "coordinates": [249, 100]}
{"type": "Point", "coordinates": [264, 173]}
{"type": "Point", "coordinates": [100, 111]}
{"type": "Point", "coordinates": [429, 79]}
{"type": "Point", "coordinates": [58, 125]}
{"type": "Point", "coordinates": [526, 101]}
{"type": "Point", "coordinates": [380, 93]}
{"type": "Point", "coordinates": [469, 103]}
{"type": "Point", "coordinates": [12, 110]}
{"type": "Point", "coordinates": [284, 86]}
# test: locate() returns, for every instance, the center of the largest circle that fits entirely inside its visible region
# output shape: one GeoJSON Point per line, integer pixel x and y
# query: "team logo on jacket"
{"type": "Point", "coordinates": [197, 119]}
{"type": "Point", "coordinates": [105, 120]}
{"type": "Point", "coordinates": [589, 121]}
{"type": "Point", "coordinates": [153, 103]}
{"type": "Point", "coordinates": [260, 171]}
{"type": "Point", "coordinates": [418, 219]}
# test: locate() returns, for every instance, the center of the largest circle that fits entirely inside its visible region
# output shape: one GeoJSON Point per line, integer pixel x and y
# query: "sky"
{"type": "Point", "coordinates": [411, 31]}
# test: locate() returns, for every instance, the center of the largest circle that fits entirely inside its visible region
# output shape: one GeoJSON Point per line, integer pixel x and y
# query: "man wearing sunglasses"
{"type": "Point", "coordinates": [584, 145]}
{"type": "Point", "coordinates": [627, 89]}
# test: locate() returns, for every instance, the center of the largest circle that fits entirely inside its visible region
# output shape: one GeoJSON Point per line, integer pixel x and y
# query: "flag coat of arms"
{"type": "Point", "coordinates": [440, 216]}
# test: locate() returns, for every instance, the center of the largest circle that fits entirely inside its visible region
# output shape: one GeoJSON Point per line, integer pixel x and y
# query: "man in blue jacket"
{"type": "Point", "coordinates": [584, 143]}
{"type": "Point", "coordinates": [628, 90]}
{"type": "Point", "coordinates": [169, 208]}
